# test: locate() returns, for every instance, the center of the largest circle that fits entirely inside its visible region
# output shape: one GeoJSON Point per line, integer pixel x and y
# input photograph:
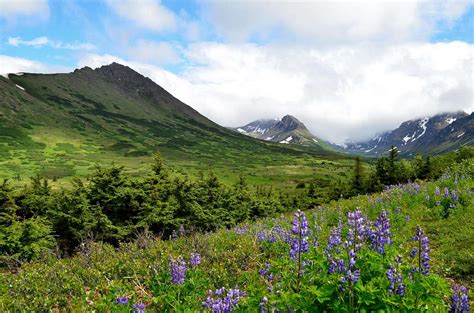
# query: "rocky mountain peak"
{"type": "Point", "coordinates": [286, 130]}
{"type": "Point", "coordinates": [289, 123]}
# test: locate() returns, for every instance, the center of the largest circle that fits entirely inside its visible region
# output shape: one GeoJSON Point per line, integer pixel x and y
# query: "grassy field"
{"type": "Point", "coordinates": [243, 257]}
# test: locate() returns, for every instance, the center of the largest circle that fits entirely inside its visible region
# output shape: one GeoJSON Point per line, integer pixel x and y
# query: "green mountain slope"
{"type": "Point", "coordinates": [61, 124]}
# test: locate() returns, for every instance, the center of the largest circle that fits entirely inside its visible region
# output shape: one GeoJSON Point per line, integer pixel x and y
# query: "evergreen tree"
{"type": "Point", "coordinates": [311, 191]}
{"type": "Point", "coordinates": [427, 168]}
{"type": "Point", "coordinates": [392, 168]}
{"type": "Point", "coordinates": [419, 166]}
{"type": "Point", "coordinates": [159, 168]}
{"type": "Point", "coordinates": [381, 171]}
{"type": "Point", "coordinates": [358, 179]}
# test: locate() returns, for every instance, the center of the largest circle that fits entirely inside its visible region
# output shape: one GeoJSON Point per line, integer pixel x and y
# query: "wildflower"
{"type": "Point", "coordinates": [121, 300]}
{"type": "Point", "coordinates": [357, 230]}
{"type": "Point", "coordinates": [300, 228]}
{"type": "Point", "coordinates": [223, 302]}
{"type": "Point", "coordinates": [138, 308]}
{"type": "Point", "coordinates": [459, 300]}
{"type": "Point", "coordinates": [395, 277]}
{"type": "Point", "coordinates": [263, 305]}
{"type": "Point", "coordinates": [177, 270]}
{"type": "Point", "coordinates": [174, 235]}
{"type": "Point", "coordinates": [437, 191]}
{"type": "Point", "coordinates": [454, 195]}
{"type": "Point", "coordinates": [356, 235]}
{"type": "Point", "coordinates": [195, 259]}
{"type": "Point", "coordinates": [381, 234]}
{"type": "Point", "coordinates": [446, 192]}
{"type": "Point", "coordinates": [421, 251]}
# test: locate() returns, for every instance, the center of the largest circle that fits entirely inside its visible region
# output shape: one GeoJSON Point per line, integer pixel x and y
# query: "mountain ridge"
{"type": "Point", "coordinates": [287, 130]}
{"type": "Point", "coordinates": [434, 134]}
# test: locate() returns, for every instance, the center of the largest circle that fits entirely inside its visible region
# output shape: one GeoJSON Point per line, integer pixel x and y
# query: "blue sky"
{"type": "Point", "coordinates": [381, 62]}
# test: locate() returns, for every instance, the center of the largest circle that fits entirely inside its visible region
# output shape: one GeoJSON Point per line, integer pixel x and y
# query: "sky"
{"type": "Point", "coordinates": [348, 70]}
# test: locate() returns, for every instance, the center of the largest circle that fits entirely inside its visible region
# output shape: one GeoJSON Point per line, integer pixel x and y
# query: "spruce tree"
{"type": "Point", "coordinates": [393, 176]}
{"type": "Point", "coordinates": [358, 179]}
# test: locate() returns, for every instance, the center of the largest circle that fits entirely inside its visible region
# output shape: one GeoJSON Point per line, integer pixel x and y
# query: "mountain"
{"type": "Point", "coordinates": [287, 130]}
{"type": "Point", "coordinates": [428, 135]}
{"type": "Point", "coordinates": [62, 124]}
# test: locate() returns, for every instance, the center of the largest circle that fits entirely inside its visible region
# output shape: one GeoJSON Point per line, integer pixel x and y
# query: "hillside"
{"type": "Point", "coordinates": [62, 124]}
{"type": "Point", "coordinates": [428, 135]}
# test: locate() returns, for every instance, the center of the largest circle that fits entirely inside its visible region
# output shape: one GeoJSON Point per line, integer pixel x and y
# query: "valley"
{"type": "Point", "coordinates": [115, 115]}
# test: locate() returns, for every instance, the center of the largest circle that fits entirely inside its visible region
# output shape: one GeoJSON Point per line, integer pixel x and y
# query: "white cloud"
{"type": "Point", "coordinates": [10, 9]}
{"type": "Point", "coordinates": [37, 42]}
{"type": "Point", "coordinates": [348, 92]}
{"type": "Point", "coordinates": [150, 14]}
{"type": "Point", "coordinates": [43, 41]}
{"type": "Point", "coordinates": [332, 22]}
{"type": "Point", "coordinates": [154, 52]}
{"type": "Point", "coordinates": [9, 64]}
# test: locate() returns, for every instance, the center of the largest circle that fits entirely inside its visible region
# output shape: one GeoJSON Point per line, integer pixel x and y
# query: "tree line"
{"type": "Point", "coordinates": [112, 206]}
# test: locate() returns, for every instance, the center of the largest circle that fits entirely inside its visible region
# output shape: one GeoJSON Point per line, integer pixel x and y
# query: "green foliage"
{"type": "Point", "coordinates": [98, 272]}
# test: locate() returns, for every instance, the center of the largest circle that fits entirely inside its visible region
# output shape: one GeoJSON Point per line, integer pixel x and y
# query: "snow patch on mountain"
{"type": "Point", "coordinates": [287, 140]}
{"type": "Point", "coordinates": [451, 120]}
{"type": "Point", "coordinates": [422, 124]}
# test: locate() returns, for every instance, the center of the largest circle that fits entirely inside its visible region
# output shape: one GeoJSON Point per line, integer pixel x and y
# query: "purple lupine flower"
{"type": "Point", "coordinates": [268, 276]}
{"type": "Point", "coordinates": [174, 235]}
{"type": "Point", "coordinates": [138, 308]}
{"type": "Point", "coordinates": [394, 276]}
{"type": "Point", "coordinates": [263, 305]}
{"type": "Point", "coordinates": [428, 198]}
{"type": "Point", "coordinates": [223, 302]}
{"type": "Point", "coordinates": [421, 251]}
{"type": "Point", "coordinates": [334, 247]}
{"type": "Point", "coordinates": [241, 230]}
{"type": "Point", "coordinates": [121, 300]}
{"type": "Point", "coordinates": [357, 230]}
{"type": "Point", "coordinates": [446, 192]}
{"type": "Point", "coordinates": [299, 228]}
{"type": "Point", "coordinates": [177, 270]}
{"type": "Point", "coordinates": [381, 234]}
{"type": "Point", "coordinates": [195, 259]}
{"type": "Point", "coordinates": [437, 191]}
{"type": "Point", "coordinates": [351, 278]}
{"type": "Point", "coordinates": [459, 300]}
{"type": "Point", "coordinates": [182, 232]}
{"type": "Point", "coordinates": [454, 195]}
{"type": "Point", "coordinates": [355, 237]}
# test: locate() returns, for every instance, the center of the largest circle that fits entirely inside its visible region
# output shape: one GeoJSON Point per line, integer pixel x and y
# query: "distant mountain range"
{"type": "Point", "coordinates": [431, 134]}
{"type": "Point", "coordinates": [427, 135]}
{"type": "Point", "coordinates": [285, 131]}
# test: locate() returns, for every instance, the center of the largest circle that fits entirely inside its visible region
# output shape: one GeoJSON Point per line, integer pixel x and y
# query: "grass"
{"type": "Point", "coordinates": [98, 273]}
